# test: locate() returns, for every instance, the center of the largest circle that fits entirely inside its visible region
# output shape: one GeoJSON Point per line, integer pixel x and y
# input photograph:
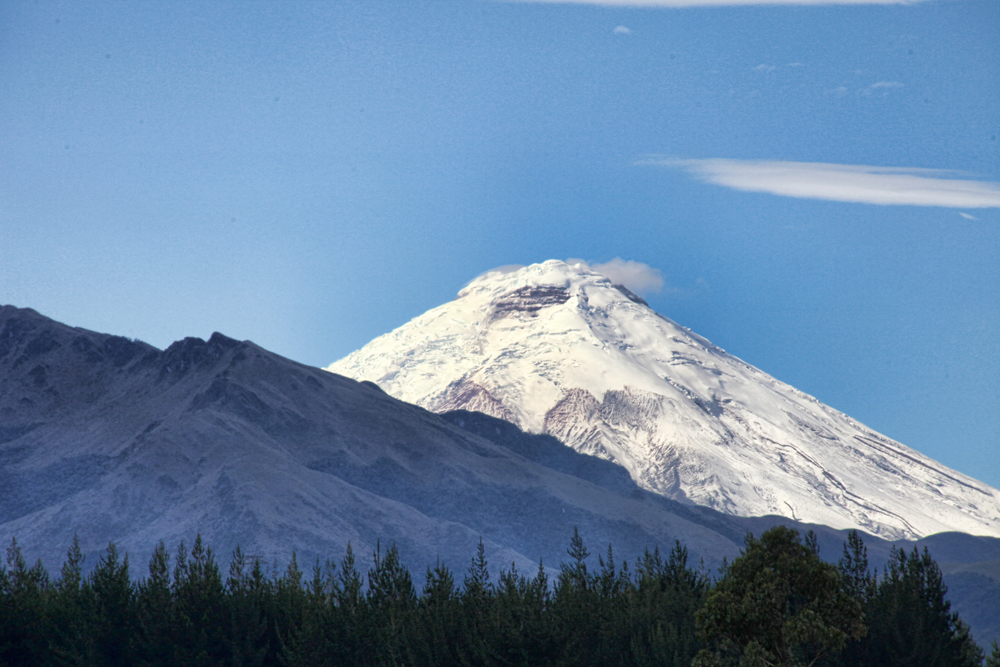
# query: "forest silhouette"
{"type": "Point", "coordinates": [777, 604]}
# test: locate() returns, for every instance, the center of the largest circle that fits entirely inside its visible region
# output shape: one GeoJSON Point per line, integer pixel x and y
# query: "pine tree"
{"type": "Point", "coordinates": [993, 659]}
{"type": "Point", "coordinates": [154, 613]}
{"type": "Point", "coordinates": [861, 584]}
{"type": "Point", "coordinates": [576, 607]}
{"type": "Point", "coordinates": [539, 630]}
{"type": "Point", "coordinates": [285, 615]}
{"type": "Point", "coordinates": [114, 626]}
{"type": "Point", "coordinates": [70, 612]}
{"type": "Point", "coordinates": [392, 602]}
{"type": "Point", "coordinates": [350, 635]}
{"type": "Point", "coordinates": [246, 625]}
{"type": "Point", "coordinates": [316, 642]}
{"type": "Point", "coordinates": [478, 598]}
{"type": "Point", "coordinates": [199, 608]}
{"type": "Point", "coordinates": [911, 622]}
{"type": "Point", "coordinates": [24, 631]}
{"type": "Point", "coordinates": [438, 629]}
{"type": "Point", "coordinates": [858, 581]}
{"type": "Point", "coordinates": [612, 588]}
{"type": "Point", "coordinates": [348, 593]}
{"type": "Point", "coordinates": [662, 611]}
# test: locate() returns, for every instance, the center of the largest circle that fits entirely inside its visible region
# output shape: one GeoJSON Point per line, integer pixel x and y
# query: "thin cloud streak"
{"type": "Point", "coordinates": [717, 3]}
{"type": "Point", "coordinates": [842, 182]}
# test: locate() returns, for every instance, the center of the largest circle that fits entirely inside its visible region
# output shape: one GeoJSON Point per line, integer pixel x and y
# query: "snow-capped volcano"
{"type": "Point", "coordinates": [557, 348]}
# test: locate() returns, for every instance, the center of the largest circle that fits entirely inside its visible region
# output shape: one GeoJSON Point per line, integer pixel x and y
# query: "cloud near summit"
{"type": "Point", "coordinates": [638, 277]}
{"type": "Point", "coordinates": [859, 184]}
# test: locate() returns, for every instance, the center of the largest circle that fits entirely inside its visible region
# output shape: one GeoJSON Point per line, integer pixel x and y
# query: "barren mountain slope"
{"type": "Point", "coordinates": [118, 441]}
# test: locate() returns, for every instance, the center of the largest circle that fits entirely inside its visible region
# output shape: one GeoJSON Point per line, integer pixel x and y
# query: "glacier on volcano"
{"type": "Point", "coordinates": [559, 348]}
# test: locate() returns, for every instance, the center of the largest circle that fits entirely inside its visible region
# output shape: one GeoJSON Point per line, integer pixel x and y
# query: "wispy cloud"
{"type": "Point", "coordinates": [720, 3]}
{"type": "Point", "coordinates": [843, 182]}
{"type": "Point", "coordinates": [621, 30]}
{"type": "Point", "coordinates": [881, 88]}
{"type": "Point", "coordinates": [967, 216]}
{"type": "Point", "coordinates": [638, 277]}
{"type": "Point", "coordinates": [885, 84]}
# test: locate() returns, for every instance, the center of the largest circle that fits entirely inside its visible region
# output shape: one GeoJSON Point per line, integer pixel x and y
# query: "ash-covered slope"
{"type": "Point", "coordinates": [558, 349]}
{"type": "Point", "coordinates": [118, 441]}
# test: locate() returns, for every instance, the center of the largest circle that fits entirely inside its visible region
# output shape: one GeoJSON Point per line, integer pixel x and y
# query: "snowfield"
{"type": "Point", "coordinates": [557, 348]}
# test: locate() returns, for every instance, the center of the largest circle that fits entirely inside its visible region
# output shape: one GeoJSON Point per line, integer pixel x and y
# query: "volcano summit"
{"type": "Point", "coordinates": [557, 348]}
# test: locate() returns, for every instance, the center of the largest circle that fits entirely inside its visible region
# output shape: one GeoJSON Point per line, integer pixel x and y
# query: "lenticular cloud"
{"type": "Point", "coordinates": [842, 182]}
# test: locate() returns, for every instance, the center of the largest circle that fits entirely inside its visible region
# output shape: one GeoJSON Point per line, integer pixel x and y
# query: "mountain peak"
{"type": "Point", "coordinates": [572, 277]}
{"type": "Point", "coordinates": [559, 348]}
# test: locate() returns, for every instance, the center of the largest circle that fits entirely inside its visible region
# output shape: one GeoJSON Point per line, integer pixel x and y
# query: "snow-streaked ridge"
{"type": "Point", "coordinates": [557, 348]}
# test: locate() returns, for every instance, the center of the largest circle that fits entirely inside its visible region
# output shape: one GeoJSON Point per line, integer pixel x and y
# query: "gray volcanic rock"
{"type": "Point", "coordinates": [118, 441]}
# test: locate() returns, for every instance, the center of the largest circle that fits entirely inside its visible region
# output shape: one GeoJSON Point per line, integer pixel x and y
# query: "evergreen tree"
{"type": "Point", "coordinates": [993, 659]}
{"type": "Point", "coordinates": [321, 640]}
{"type": "Point", "coordinates": [478, 613]}
{"type": "Point", "coordinates": [351, 612]}
{"type": "Point", "coordinates": [524, 631]}
{"type": "Point", "coordinates": [811, 541]}
{"type": "Point", "coordinates": [911, 622]}
{"type": "Point", "coordinates": [246, 625]}
{"type": "Point", "coordinates": [778, 604]}
{"type": "Point", "coordinates": [286, 612]}
{"type": "Point", "coordinates": [437, 634]}
{"type": "Point", "coordinates": [662, 612]}
{"type": "Point", "coordinates": [71, 641]}
{"type": "Point", "coordinates": [513, 630]}
{"type": "Point", "coordinates": [24, 632]}
{"type": "Point", "coordinates": [392, 601]}
{"type": "Point", "coordinates": [858, 581]}
{"type": "Point", "coordinates": [114, 614]}
{"type": "Point", "coordinates": [348, 592]}
{"type": "Point", "coordinates": [576, 608]}
{"type": "Point", "coordinates": [861, 584]}
{"type": "Point", "coordinates": [612, 590]}
{"type": "Point", "coordinates": [154, 613]}
{"type": "Point", "coordinates": [318, 639]}
{"type": "Point", "coordinates": [199, 607]}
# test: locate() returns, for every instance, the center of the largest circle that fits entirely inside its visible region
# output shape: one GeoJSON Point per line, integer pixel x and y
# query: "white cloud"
{"type": "Point", "coordinates": [967, 216]}
{"type": "Point", "coordinates": [843, 182]}
{"type": "Point", "coordinates": [885, 84]}
{"type": "Point", "coordinates": [638, 277]}
{"type": "Point", "coordinates": [765, 68]}
{"type": "Point", "coordinates": [881, 87]}
{"type": "Point", "coordinates": [621, 30]}
{"type": "Point", "coordinates": [720, 3]}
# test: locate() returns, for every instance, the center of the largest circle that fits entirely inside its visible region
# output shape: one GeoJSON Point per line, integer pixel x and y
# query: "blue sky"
{"type": "Point", "coordinates": [312, 175]}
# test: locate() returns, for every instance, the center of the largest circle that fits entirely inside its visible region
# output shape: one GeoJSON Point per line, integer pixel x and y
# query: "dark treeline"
{"type": "Point", "coordinates": [777, 604]}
